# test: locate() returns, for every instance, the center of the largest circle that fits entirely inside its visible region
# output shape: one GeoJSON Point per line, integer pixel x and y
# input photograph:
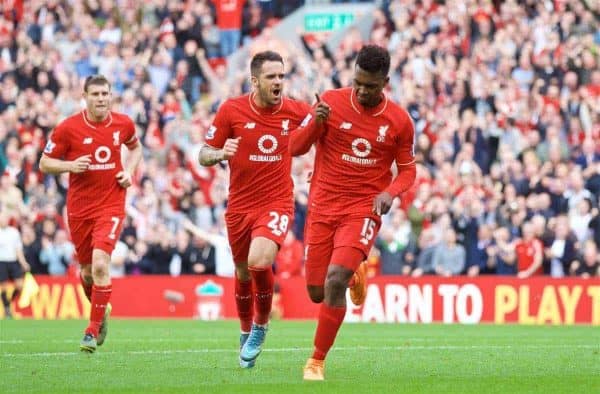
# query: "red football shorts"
{"type": "Point", "coordinates": [242, 228]}
{"type": "Point", "coordinates": [97, 233]}
{"type": "Point", "coordinates": [326, 237]}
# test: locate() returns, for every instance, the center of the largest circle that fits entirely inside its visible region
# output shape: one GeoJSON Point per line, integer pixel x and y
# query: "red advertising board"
{"type": "Point", "coordinates": [489, 299]}
{"type": "Point", "coordinates": [389, 299]}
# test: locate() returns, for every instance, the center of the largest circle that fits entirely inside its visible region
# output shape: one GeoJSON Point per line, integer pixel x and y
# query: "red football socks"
{"type": "Point", "coordinates": [87, 288]}
{"type": "Point", "coordinates": [263, 293]}
{"type": "Point", "coordinates": [330, 320]}
{"type": "Point", "coordinates": [100, 297]}
{"type": "Point", "coordinates": [244, 303]}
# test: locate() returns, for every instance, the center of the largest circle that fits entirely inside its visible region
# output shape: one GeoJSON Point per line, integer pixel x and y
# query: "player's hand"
{"type": "Point", "coordinates": [26, 267]}
{"type": "Point", "coordinates": [382, 203]}
{"type": "Point", "coordinates": [321, 110]}
{"type": "Point", "coordinates": [230, 147]}
{"type": "Point", "coordinates": [81, 164]}
{"type": "Point", "coordinates": [124, 179]}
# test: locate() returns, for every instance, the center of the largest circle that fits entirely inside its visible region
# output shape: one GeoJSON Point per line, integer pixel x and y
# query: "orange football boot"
{"type": "Point", "coordinates": [358, 291]}
{"type": "Point", "coordinates": [314, 369]}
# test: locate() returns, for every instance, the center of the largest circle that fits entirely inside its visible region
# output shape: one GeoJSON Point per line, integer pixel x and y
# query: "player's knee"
{"type": "Point", "coordinates": [337, 281]}
{"type": "Point", "coordinates": [316, 293]}
{"type": "Point", "coordinates": [86, 274]}
{"type": "Point", "coordinates": [100, 269]}
{"type": "Point", "coordinates": [260, 260]}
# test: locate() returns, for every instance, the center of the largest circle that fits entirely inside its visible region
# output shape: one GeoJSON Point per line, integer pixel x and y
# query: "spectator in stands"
{"type": "Point", "coordinates": [530, 253]}
{"type": "Point", "coordinates": [561, 251]}
{"type": "Point", "coordinates": [587, 264]}
{"type": "Point", "coordinates": [449, 257]}
{"type": "Point", "coordinates": [579, 220]}
{"type": "Point", "coordinates": [229, 20]}
{"type": "Point", "coordinates": [427, 244]}
{"type": "Point", "coordinates": [393, 243]}
{"type": "Point", "coordinates": [223, 259]}
{"type": "Point", "coordinates": [32, 249]}
{"type": "Point", "coordinates": [161, 252]}
{"type": "Point", "coordinates": [501, 254]}
{"type": "Point", "coordinates": [57, 252]}
{"type": "Point", "coordinates": [196, 258]}
{"type": "Point", "coordinates": [478, 260]}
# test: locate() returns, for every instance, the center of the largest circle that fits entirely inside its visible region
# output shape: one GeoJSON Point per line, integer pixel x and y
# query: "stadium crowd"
{"type": "Point", "coordinates": [505, 97]}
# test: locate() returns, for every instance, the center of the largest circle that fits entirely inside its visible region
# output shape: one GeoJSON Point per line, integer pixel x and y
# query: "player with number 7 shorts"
{"type": "Point", "coordinates": [251, 133]}
{"type": "Point", "coordinates": [87, 145]}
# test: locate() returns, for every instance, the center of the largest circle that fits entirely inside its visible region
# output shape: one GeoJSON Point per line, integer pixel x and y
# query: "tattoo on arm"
{"type": "Point", "coordinates": [210, 156]}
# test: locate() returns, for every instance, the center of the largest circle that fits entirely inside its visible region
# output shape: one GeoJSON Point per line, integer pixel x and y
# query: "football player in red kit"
{"type": "Point", "coordinates": [359, 133]}
{"type": "Point", "coordinates": [88, 146]}
{"type": "Point", "coordinates": [251, 132]}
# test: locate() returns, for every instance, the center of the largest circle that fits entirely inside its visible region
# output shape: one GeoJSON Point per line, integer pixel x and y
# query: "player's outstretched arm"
{"type": "Point", "coordinates": [210, 156]}
{"type": "Point", "coordinates": [53, 166]}
{"type": "Point", "coordinates": [302, 138]}
{"type": "Point", "coordinates": [200, 233]}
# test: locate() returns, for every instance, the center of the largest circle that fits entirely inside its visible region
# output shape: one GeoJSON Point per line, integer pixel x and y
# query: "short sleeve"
{"type": "Point", "coordinates": [131, 139]}
{"type": "Point", "coordinates": [220, 130]}
{"type": "Point", "coordinates": [57, 144]}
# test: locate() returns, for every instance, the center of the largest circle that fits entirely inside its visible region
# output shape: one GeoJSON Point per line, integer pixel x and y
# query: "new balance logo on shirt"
{"type": "Point", "coordinates": [87, 140]}
{"type": "Point", "coordinates": [345, 126]}
{"type": "Point", "coordinates": [250, 125]}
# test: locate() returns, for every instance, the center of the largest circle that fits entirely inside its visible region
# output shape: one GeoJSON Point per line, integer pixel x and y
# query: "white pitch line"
{"type": "Point", "coordinates": [306, 349]}
{"type": "Point", "coordinates": [201, 341]}
{"type": "Point", "coordinates": [149, 340]}
{"type": "Point", "coordinates": [152, 340]}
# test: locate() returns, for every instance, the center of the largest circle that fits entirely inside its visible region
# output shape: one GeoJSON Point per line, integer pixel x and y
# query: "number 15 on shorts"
{"type": "Point", "coordinates": [368, 231]}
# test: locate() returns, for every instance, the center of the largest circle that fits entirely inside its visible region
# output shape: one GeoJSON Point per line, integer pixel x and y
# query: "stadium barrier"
{"type": "Point", "coordinates": [485, 299]}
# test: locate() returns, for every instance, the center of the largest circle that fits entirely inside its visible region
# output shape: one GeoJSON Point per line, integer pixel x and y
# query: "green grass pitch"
{"type": "Point", "coordinates": [179, 356]}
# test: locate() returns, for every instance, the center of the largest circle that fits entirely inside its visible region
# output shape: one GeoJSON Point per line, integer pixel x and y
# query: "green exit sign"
{"type": "Point", "coordinates": [326, 21]}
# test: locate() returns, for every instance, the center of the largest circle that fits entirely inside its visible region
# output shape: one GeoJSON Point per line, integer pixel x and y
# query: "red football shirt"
{"type": "Point", "coordinates": [526, 251]}
{"type": "Point", "coordinates": [355, 153]}
{"type": "Point", "coordinates": [261, 168]}
{"type": "Point", "coordinates": [229, 13]}
{"type": "Point", "coordinates": [94, 192]}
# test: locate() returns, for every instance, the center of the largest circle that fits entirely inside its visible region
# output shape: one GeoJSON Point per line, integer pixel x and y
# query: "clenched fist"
{"type": "Point", "coordinates": [81, 164]}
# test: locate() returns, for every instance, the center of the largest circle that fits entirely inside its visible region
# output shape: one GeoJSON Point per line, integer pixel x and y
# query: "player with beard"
{"type": "Point", "coordinates": [251, 132]}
